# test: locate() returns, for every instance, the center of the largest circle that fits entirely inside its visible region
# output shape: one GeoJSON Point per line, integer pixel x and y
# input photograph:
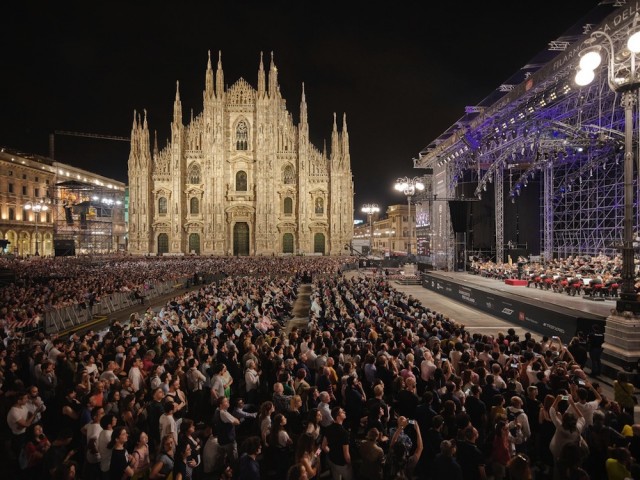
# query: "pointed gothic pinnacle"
{"type": "Point", "coordinates": [303, 96]}
{"type": "Point", "coordinates": [177, 90]}
{"type": "Point", "coordinates": [145, 118]}
{"type": "Point", "coordinates": [273, 62]}
{"type": "Point", "coordinates": [135, 114]}
{"type": "Point", "coordinates": [344, 122]}
{"type": "Point", "coordinates": [261, 64]}
{"type": "Point", "coordinates": [219, 59]}
{"type": "Point", "coordinates": [209, 60]}
{"type": "Point", "coordinates": [335, 124]}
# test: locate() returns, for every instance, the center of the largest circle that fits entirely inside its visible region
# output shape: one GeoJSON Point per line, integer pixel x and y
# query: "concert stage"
{"type": "Point", "coordinates": [541, 311]}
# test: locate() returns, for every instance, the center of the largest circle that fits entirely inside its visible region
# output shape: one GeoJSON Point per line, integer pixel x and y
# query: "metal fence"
{"type": "Point", "coordinates": [59, 319]}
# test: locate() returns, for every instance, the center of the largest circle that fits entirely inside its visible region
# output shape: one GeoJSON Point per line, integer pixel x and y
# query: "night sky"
{"type": "Point", "coordinates": [402, 71]}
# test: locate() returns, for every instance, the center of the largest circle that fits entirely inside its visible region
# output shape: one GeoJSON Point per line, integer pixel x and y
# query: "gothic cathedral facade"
{"type": "Point", "coordinates": [240, 178]}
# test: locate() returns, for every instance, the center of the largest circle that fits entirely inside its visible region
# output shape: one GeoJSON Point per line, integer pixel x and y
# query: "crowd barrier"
{"type": "Point", "coordinates": [60, 319]}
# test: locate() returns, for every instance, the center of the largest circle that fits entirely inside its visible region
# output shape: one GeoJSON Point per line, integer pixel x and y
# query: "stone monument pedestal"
{"type": "Point", "coordinates": [622, 339]}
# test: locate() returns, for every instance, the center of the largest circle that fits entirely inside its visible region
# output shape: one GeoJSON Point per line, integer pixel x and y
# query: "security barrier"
{"type": "Point", "coordinates": [66, 318]}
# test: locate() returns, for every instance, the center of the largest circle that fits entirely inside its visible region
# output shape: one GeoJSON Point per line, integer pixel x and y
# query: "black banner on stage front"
{"type": "Point", "coordinates": [535, 317]}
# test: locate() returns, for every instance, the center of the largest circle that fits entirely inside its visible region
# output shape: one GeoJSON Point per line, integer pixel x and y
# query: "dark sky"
{"type": "Point", "coordinates": [402, 71]}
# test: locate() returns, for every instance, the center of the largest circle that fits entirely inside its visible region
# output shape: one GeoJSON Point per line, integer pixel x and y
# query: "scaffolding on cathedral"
{"type": "Point", "coordinates": [88, 219]}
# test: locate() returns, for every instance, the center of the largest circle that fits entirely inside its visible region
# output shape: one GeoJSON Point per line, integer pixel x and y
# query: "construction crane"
{"type": "Point", "coordinates": [80, 134]}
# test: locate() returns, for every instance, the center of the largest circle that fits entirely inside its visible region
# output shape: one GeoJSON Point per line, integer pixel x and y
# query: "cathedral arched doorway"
{"type": "Point", "coordinates": [318, 243]}
{"type": "Point", "coordinates": [287, 243]}
{"type": "Point", "coordinates": [194, 243]}
{"type": "Point", "coordinates": [163, 243]}
{"type": "Point", "coordinates": [241, 238]}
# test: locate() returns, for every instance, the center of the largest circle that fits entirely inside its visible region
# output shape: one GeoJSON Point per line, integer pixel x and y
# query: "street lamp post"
{"type": "Point", "coordinates": [409, 186]}
{"type": "Point", "coordinates": [37, 207]}
{"type": "Point", "coordinates": [622, 77]}
{"type": "Point", "coordinates": [370, 209]}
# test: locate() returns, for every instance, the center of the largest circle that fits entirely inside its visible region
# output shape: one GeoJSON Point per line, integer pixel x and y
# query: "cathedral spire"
{"type": "Point", "coordinates": [261, 81]}
{"type": "Point", "coordinates": [345, 140]}
{"type": "Point", "coordinates": [335, 141]}
{"type": "Point", "coordinates": [155, 143]}
{"type": "Point", "coordinates": [134, 137]}
{"type": "Point", "coordinates": [303, 108]}
{"type": "Point", "coordinates": [219, 77]}
{"type": "Point", "coordinates": [208, 92]}
{"type": "Point", "coordinates": [144, 140]}
{"type": "Point", "coordinates": [273, 78]}
{"type": "Point", "coordinates": [177, 106]}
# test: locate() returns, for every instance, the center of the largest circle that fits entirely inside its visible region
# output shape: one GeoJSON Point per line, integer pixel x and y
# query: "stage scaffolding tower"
{"type": "Point", "coordinates": [541, 126]}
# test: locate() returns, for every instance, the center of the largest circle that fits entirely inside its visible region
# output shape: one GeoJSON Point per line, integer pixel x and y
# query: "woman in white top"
{"type": "Point", "coordinates": [266, 410]}
{"type": "Point", "coordinates": [569, 427]}
{"type": "Point", "coordinates": [278, 437]}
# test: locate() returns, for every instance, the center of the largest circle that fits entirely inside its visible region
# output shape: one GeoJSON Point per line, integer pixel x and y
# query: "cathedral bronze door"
{"type": "Point", "coordinates": [241, 238]}
{"type": "Point", "coordinates": [194, 243]}
{"type": "Point", "coordinates": [163, 243]}
{"type": "Point", "coordinates": [318, 243]}
{"type": "Point", "coordinates": [287, 243]}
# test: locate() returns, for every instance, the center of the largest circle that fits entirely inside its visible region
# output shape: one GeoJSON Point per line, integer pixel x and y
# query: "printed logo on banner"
{"type": "Point", "coordinates": [466, 296]}
{"type": "Point", "coordinates": [489, 304]}
{"type": "Point", "coordinates": [521, 316]}
{"type": "Point", "coordinates": [508, 311]}
{"type": "Point", "coordinates": [439, 286]}
{"type": "Point", "coordinates": [553, 327]}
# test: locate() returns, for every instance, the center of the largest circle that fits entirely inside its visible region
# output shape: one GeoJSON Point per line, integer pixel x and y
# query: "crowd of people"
{"type": "Point", "coordinates": [43, 284]}
{"type": "Point", "coordinates": [215, 384]}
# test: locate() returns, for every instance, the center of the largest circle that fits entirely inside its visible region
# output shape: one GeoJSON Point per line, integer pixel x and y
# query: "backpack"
{"type": "Point", "coordinates": [511, 417]}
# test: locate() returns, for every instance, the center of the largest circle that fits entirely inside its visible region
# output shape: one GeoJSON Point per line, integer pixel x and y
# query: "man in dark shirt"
{"type": "Point", "coordinates": [595, 341]}
{"type": "Point", "coordinates": [58, 453]}
{"type": "Point", "coordinates": [489, 391]}
{"type": "Point", "coordinates": [337, 439]}
{"type": "Point", "coordinates": [248, 466]}
{"type": "Point", "coordinates": [470, 457]}
{"type": "Point", "coordinates": [477, 411]}
{"type": "Point", "coordinates": [355, 399]}
{"type": "Point", "coordinates": [432, 443]}
{"type": "Point", "coordinates": [407, 400]}
{"type": "Point", "coordinates": [425, 413]}
{"type": "Point", "coordinates": [532, 408]}
{"type": "Point", "coordinates": [155, 409]}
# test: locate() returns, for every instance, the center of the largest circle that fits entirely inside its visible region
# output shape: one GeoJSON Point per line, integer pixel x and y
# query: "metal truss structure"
{"type": "Point", "coordinates": [91, 216]}
{"type": "Point", "coordinates": [549, 130]}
